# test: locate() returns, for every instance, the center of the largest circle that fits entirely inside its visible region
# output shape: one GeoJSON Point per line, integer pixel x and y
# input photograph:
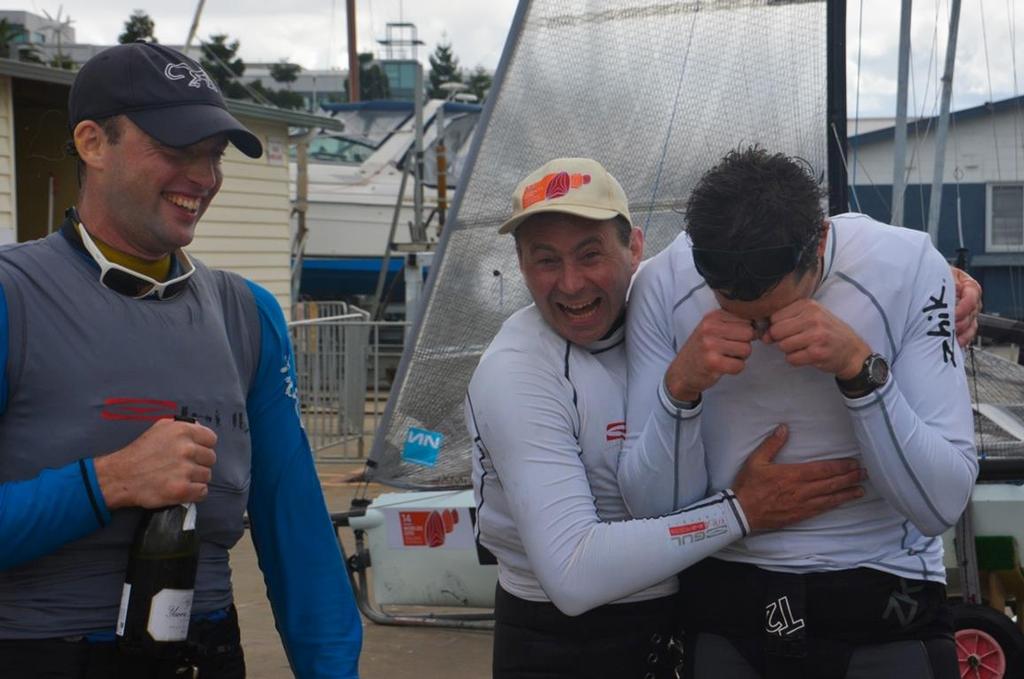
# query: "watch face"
{"type": "Point", "coordinates": [878, 370]}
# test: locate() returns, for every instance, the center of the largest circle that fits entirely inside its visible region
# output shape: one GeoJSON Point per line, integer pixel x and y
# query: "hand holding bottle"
{"type": "Point", "coordinates": [170, 463]}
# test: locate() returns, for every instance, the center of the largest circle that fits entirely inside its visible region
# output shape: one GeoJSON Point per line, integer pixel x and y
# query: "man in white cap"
{"type": "Point", "coordinates": [108, 330]}
{"type": "Point", "coordinates": [584, 591]}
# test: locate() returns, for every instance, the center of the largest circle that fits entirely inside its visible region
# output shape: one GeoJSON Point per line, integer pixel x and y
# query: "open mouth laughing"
{"type": "Point", "coordinates": [580, 311]}
{"type": "Point", "coordinates": [187, 203]}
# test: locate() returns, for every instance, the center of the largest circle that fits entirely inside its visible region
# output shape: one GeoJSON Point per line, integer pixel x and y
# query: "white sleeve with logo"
{"type": "Point", "coordinates": [662, 466]}
{"type": "Point", "coordinates": [916, 432]}
{"type": "Point", "coordinates": [520, 420]}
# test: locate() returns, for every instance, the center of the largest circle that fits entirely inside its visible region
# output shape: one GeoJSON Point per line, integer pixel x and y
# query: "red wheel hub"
{"type": "Point", "coordinates": [980, 656]}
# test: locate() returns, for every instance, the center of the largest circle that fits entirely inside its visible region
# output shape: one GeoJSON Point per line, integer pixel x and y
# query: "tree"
{"type": "Point", "coordinates": [9, 34]}
{"type": "Point", "coordinates": [283, 72]}
{"type": "Point", "coordinates": [444, 68]}
{"type": "Point", "coordinates": [29, 53]}
{"type": "Point", "coordinates": [62, 61]}
{"type": "Point", "coordinates": [220, 62]}
{"type": "Point", "coordinates": [479, 82]}
{"type": "Point", "coordinates": [280, 98]}
{"type": "Point", "coordinates": [373, 81]}
{"type": "Point", "coordinates": [139, 26]}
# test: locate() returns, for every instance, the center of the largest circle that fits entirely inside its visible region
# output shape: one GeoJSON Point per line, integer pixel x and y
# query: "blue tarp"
{"type": "Point", "coordinates": [344, 277]}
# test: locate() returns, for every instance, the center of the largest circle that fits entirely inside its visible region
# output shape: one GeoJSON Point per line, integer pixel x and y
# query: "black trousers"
{"type": "Point", "coordinates": [214, 649]}
{"type": "Point", "coordinates": [534, 640]}
{"type": "Point", "coordinates": [813, 626]}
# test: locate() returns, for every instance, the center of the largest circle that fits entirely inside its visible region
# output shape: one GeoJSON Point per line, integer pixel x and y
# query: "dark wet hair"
{"type": "Point", "coordinates": [755, 199]}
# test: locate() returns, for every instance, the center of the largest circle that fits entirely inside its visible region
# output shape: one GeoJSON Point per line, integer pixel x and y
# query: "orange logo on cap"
{"type": "Point", "coordinates": [553, 185]}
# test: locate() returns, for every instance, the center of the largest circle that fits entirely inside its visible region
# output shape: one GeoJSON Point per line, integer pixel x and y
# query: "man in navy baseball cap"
{"type": "Point", "coordinates": [167, 94]}
{"type": "Point", "coordinates": [111, 313]}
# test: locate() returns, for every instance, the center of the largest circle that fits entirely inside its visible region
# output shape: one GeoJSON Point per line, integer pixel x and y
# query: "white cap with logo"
{"type": "Point", "coordinates": [575, 186]}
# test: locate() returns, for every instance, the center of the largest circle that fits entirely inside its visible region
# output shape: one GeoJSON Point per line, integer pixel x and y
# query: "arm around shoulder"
{"type": "Point", "coordinates": [526, 430]}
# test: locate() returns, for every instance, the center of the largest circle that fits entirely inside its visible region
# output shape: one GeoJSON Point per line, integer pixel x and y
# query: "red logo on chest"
{"type": "Point", "coordinates": [615, 431]}
{"type": "Point", "coordinates": [138, 409]}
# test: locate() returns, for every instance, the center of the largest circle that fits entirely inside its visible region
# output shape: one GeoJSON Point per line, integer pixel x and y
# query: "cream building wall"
{"type": "Point", "coordinates": [246, 229]}
{"type": "Point", "coordinates": [8, 201]}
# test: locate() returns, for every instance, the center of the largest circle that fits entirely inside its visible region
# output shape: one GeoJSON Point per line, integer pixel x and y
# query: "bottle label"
{"type": "Point", "coordinates": [169, 615]}
{"type": "Point", "coordinates": [122, 613]}
{"type": "Point", "coordinates": [190, 516]}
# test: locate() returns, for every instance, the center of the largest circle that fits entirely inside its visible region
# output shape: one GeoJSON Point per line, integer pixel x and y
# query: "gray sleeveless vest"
{"type": "Point", "coordinates": [89, 370]}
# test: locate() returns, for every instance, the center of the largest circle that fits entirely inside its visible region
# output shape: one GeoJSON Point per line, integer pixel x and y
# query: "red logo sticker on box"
{"type": "Point", "coordinates": [426, 528]}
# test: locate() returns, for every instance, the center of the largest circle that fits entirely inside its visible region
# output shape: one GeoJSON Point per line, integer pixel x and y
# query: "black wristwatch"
{"type": "Point", "coordinates": [873, 374]}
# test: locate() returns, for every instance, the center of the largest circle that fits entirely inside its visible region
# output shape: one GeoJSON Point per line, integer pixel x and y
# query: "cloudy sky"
{"type": "Point", "coordinates": [990, 46]}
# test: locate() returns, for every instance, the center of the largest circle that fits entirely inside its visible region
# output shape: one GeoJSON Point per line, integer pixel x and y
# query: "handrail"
{"type": "Point", "coordinates": [996, 469]}
{"type": "Point", "coordinates": [1001, 329]}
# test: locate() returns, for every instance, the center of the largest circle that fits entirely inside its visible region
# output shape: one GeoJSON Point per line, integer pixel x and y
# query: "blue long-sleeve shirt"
{"type": "Point", "coordinates": [306, 581]}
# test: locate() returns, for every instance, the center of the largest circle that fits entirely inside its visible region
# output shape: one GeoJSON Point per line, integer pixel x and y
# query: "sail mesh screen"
{"type": "Point", "coordinates": [657, 92]}
{"type": "Point", "coordinates": [997, 389]}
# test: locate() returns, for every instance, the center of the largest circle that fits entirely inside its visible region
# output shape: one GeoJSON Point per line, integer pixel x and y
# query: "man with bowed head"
{"type": "Point", "coordinates": [763, 312]}
{"type": "Point", "coordinates": [108, 329]}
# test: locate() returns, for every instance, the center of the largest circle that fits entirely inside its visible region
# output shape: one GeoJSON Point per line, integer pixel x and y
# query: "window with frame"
{"type": "Point", "coordinates": [1006, 217]}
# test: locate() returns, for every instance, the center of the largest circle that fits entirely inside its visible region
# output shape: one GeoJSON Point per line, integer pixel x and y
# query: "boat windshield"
{"type": "Point", "coordinates": [327, 149]}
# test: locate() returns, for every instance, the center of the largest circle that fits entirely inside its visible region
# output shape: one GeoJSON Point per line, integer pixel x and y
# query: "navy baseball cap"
{"type": "Point", "coordinates": [167, 94]}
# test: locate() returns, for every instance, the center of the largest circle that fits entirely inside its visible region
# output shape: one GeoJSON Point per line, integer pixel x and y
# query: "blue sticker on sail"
{"type": "Point", "coordinates": [422, 446]}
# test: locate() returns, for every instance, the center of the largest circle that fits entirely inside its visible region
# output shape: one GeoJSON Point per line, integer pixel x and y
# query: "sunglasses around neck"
{"type": "Point", "coordinates": [130, 283]}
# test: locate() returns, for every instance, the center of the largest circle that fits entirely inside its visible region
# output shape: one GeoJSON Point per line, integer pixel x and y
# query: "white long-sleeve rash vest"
{"type": "Point", "coordinates": [914, 436]}
{"type": "Point", "coordinates": [548, 422]}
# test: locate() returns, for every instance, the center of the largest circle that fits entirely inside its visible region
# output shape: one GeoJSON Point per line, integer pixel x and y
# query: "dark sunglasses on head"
{"type": "Point", "coordinates": [721, 268]}
{"type": "Point", "coordinates": [747, 275]}
{"type": "Point", "coordinates": [130, 283]}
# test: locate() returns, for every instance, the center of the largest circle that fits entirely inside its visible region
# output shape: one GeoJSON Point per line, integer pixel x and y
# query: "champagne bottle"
{"type": "Point", "coordinates": [156, 601]}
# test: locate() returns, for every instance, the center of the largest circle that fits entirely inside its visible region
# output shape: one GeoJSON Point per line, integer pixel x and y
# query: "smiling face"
{"type": "Point", "coordinates": [578, 272]}
{"type": "Point", "coordinates": [144, 198]}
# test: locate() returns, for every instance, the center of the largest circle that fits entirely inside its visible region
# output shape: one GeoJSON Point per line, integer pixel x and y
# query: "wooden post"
{"type": "Point", "coordinates": [353, 54]}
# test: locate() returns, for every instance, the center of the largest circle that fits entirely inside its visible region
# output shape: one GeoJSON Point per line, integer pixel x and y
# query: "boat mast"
{"type": "Point", "coordinates": [194, 27]}
{"type": "Point", "coordinates": [899, 169]}
{"type": "Point", "coordinates": [838, 180]}
{"type": "Point", "coordinates": [935, 201]}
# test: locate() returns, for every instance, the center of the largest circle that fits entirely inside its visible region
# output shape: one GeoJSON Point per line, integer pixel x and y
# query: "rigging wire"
{"type": "Point", "coordinates": [671, 122]}
{"type": "Point", "coordinates": [256, 96]}
{"type": "Point", "coordinates": [978, 428]}
{"type": "Point", "coordinates": [991, 99]}
{"type": "Point", "coordinates": [874, 186]}
{"type": "Point", "coordinates": [962, 263]}
{"type": "Point", "coordinates": [1012, 27]}
{"type": "Point", "coordinates": [921, 135]}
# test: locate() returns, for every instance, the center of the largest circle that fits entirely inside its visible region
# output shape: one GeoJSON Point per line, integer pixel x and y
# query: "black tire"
{"type": "Point", "coordinates": [999, 627]}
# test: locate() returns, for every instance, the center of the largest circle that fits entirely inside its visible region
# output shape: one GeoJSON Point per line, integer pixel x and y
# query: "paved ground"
{"type": "Point", "coordinates": [388, 652]}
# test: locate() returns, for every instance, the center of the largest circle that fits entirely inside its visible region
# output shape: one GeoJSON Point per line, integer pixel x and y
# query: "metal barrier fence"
{"type": "Point", "coordinates": [344, 365]}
